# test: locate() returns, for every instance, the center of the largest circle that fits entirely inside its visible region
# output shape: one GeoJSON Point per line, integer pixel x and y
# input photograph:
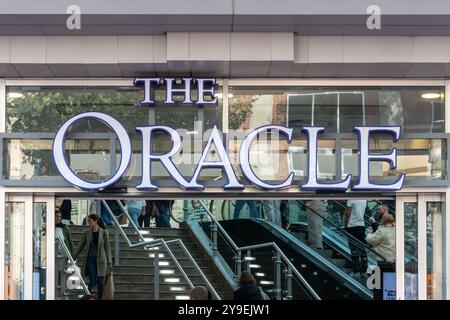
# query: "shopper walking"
{"type": "Point", "coordinates": [94, 245]}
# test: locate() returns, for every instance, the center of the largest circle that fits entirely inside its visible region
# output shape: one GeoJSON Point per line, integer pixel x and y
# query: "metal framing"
{"type": "Point", "coordinates": [49, 189]}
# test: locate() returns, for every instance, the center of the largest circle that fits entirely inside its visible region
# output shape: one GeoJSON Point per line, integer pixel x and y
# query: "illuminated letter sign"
{"type": "Point", "coordinates": [365, 157]}
{"type": "Point", "coordinates": [246, 167]}
{"type": "Point", "coordinates": [215, 141]}
{"type": "Point", "coordinates": [63, 167]}
{"type": "Point", "coordinates": [150, 84]}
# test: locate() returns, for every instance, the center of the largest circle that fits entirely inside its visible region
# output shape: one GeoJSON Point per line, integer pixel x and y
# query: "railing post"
{"type": "Point", "coordinates": [156, 276]}
{"type": "Point", "coordinates": [116, 246]}
{"type": "Point", "coordinates": [249, 255]}
{"type": "Point", "coordinates": [278, 275]}
{"type": "Point", "coordinates": [185, 209]}
{"type": "Point", "coordinates": [238, 264]}
{"type": "Point", "coordinates": [289, 283]}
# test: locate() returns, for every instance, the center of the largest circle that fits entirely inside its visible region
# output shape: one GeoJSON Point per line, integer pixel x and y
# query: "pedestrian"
{"type": "Point", "coordinates": [135, 211]}
{"type": "Point", "coordinates": [248, 290]}
{"type": "Point", "coordinates": [274, 207]}
{"type": "Point", "coordinates": [382, 240]}
{"type": "Point", "coordinates": [251, 205]}
{"type": "Point", "coordinates": [355, 227]}
{"type": "Point", "coordinates": [198, 293]}
{"type": "Point", "coordinates": [315, 211]}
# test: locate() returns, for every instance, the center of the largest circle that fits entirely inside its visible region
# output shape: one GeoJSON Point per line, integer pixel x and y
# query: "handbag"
{"type": "Point", "coordinates": [108, 293]}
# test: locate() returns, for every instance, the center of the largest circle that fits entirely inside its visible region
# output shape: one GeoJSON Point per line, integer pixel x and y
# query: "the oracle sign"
{"type": "Point", "coordinates": [215, 141]}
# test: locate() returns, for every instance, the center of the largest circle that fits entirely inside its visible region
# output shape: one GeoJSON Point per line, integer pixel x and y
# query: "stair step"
{"type": "Point", "coordinates": [74, 229]}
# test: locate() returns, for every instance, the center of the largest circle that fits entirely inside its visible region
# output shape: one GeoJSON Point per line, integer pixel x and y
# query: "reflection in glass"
{"type": "Point", "coordinates": [417, 158]}
{"type": "Point", "coordinates": [39, 251]}
{"type": "Point", "coordinates": [14, 250]}
{"type": "Point", "coordinates": [339, 109]}
{"type": "Point", "coordinates": [435, 251]}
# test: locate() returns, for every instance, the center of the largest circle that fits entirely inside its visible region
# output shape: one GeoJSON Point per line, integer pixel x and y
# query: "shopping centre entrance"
{"type": "Point", "coordinates": [296, 248]}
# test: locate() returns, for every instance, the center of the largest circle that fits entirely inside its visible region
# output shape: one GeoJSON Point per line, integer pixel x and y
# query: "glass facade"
{"type": "Point", "coordinates": [92, 149]}
{"type": "Point", "coordinates": [14, 250]}
{"type": "Point", "coordinates": [34, 114]}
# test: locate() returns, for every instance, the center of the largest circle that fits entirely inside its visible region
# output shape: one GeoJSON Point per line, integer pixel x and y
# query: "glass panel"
{"type": "Point", "coordinates": [417, 158]}
{"type": "Point", "coordinates": [44, 109]}
{"type": "Point", "coordinates": [14, 250]}
{"type": "Point", "coordinates": [39, 251]}
{"type": "Point", "coordinates": [416, 109]}
{"type": "Point", "coordinates": [435, 250]}
{"type": "Point", "coordinates": [411, 265]}
{"type": "Point", "coordinates": [33, 159]}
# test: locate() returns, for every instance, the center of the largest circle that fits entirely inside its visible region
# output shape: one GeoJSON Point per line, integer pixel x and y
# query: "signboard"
{"type": "Point", "coordinates": [205, 96]}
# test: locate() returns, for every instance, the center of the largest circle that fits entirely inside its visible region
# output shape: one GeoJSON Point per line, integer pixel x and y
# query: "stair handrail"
{"type": "Point", "coordinates": [150, 243]}
{"type": "Point", "coordinates": [306, 285]}
{"type": "Point", "coordinates": [60, 239]}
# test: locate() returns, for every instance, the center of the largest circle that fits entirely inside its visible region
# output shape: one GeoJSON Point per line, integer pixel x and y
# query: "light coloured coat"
{"type": "Point", "coordinates": [383, 242]}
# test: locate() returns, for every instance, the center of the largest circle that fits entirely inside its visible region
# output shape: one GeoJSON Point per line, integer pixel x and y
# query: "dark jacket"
{"type": "Point", "coordinates": [247, 292]}
{"type": "Point", "coordinates": [103, 254]}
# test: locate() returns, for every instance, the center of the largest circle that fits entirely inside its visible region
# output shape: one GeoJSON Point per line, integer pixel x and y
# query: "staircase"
{"type": "Point", "coordinates": [134, 277]}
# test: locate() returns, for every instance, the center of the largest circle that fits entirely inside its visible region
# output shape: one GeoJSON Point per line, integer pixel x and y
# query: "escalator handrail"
{"type": "Point", "coordinates": [306, 285]}
{"type": "Point", "coordinates": [314, 254]}
{"type": "Point", "coordinates": [72, 262]}
{"type": "Point", "coordinates": [341, 230]}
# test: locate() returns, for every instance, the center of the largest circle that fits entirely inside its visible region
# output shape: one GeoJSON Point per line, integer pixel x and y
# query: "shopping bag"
{"type": "Point", "coordinates": [108, 292]}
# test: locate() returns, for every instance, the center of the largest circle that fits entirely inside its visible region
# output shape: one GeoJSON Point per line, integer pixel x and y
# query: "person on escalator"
{"type": "Point", "coordinates": [383, 239]}
{"type": "Point", "coordinates": [315, 211]}
{"type": "Point", "coordinates": [355, 227]}
{"type": "Point", "coordinates": [252, 205]}
{"type": "Point", "coordinates": [375, 221]}
{"type": "Point", "coordinates": [274, 207]}
{"type": "Point", "coordinates": [248, 290]}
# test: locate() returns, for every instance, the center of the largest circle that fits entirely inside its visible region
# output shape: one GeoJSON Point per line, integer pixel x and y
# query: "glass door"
{"type": "Point", "coordinates": [25, 244]}
{"type": "Point", "coordinates": [421, 247]}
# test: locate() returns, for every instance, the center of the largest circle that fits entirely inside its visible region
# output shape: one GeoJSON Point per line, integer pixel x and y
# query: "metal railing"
{"type": "Point", "coordinates": [279, 257]}
{"type": "Point", "coordinates": [72, 262]}
{"type": "Point", "coordinates": [153, 245]}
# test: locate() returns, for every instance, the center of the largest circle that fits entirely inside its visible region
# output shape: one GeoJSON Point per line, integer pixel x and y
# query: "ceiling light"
{"type": "Point", "coordinates": [13, 95]}
{"type": "Point", "coordinates": [172, 280]}
{"type": "Point", "coordinates": [431, 95]}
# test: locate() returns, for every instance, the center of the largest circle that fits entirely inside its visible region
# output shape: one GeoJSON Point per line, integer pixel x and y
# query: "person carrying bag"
{"type": "Point", "coordinates": [108, 294]}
